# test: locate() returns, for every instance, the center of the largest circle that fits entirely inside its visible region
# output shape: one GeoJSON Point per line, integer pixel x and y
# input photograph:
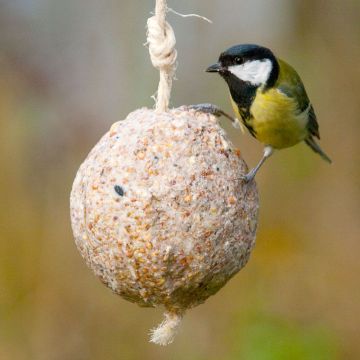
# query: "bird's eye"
{"type": "Point", "coordinates": [238, 60]}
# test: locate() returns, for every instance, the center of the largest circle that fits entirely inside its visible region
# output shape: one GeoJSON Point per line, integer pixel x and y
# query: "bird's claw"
{"type": "Point", "coordinates": [206, 108]}
{"type": "Point", "coordinates": [212, 109]}
{"type": "Point", "coordinates": [247, 178]}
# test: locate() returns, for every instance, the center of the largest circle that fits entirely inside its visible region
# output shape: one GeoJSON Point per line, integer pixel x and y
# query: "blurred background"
{"type": "Point", "coordinates": [68, 70]}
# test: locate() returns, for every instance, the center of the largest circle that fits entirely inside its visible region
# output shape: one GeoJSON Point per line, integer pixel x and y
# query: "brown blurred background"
{"type": "Point", "coordinates": [68, 70]}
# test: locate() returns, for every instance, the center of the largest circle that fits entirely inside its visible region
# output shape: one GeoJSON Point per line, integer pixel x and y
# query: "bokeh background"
{"type": "Point", "coordinates": [68, 70]}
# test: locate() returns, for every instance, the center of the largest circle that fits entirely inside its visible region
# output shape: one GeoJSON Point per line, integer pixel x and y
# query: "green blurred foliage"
{"type": "Point", "coordinates": [68, 70]}
{"type": "Point", "coordinates": [275, 339]}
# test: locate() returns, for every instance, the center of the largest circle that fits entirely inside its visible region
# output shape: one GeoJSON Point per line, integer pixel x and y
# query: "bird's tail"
{"type": "Point", "coordinates": [311, 142]}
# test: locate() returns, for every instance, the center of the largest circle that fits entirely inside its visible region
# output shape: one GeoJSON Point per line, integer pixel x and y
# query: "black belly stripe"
{"type": "Point", "coordinates": [243, 94]}
{"type": "Point", "coordinates": [251, 129]}
{"type": "Point", "coordinates": [246, 118]}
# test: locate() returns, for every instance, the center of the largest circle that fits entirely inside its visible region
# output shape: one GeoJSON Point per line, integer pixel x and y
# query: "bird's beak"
{"type": "Point", "coordinates": [215, 68]}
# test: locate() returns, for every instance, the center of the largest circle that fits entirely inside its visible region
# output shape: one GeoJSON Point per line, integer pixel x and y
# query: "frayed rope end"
{"type": "Point", "coordinates": [165, 333]}
{"type": "Point", "coordinates": [190, 15]}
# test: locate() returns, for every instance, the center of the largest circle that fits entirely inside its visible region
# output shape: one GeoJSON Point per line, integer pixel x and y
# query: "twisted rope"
{"type": "Point", "coordinates": [161, 41]}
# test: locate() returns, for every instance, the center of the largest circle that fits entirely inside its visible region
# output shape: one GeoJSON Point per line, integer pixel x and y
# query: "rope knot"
{"type": "Point", "coordinates": [161, 40]}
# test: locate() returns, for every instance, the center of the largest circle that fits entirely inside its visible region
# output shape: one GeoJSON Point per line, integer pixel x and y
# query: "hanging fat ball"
{"type": "Point", "coordinates": [159, 212]}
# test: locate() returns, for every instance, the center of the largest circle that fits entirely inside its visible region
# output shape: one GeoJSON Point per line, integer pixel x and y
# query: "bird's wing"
{"type": "Point", "coordinates": [290, 84]}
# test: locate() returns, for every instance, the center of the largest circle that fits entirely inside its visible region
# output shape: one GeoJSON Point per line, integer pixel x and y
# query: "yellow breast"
{"type": "Point", "coordinates": [276, 120]}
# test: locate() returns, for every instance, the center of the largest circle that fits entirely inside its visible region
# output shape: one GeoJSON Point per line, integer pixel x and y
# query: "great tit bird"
{"type": "Point", "coordinates": [269, 97]}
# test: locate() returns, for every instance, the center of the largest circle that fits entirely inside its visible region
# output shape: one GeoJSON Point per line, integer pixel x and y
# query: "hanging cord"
{"type": "Point", "coordinates": [161, 41]}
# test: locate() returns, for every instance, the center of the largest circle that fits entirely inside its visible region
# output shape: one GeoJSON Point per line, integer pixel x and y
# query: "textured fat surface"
{"type": "Point", "coordinates": [185, 224]}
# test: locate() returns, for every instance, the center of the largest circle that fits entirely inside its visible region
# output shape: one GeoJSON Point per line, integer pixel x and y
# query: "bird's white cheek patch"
{"type": "Point", "coordinates": [256, 72]}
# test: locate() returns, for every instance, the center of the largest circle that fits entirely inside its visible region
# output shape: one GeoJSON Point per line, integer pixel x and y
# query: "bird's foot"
{"type": "Point", "coordinates": [212, 109]}
{"type": "Point", "coordinates": [268, 150]}
{"type": "Point", "coordinates": [249, 176]}
{"type": "Point", "coordinates": [206, 108]}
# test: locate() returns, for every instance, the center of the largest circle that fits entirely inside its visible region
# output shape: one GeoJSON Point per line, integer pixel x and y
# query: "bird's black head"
{"type": "Point", "coordinates": [249, 63]}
